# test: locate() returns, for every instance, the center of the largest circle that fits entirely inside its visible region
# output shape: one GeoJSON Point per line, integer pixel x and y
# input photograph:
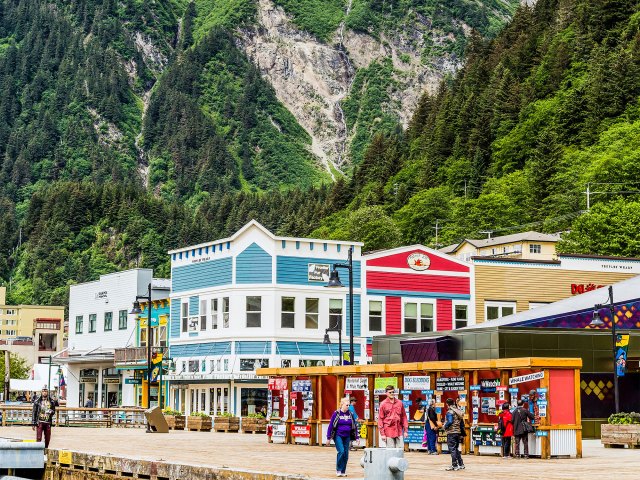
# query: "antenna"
{"type": "Point", "coordinates": [488, 232]}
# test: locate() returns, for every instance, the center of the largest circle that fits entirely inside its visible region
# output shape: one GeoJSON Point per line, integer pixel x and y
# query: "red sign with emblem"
{"type": "Point", "coordinates": [300, 431]}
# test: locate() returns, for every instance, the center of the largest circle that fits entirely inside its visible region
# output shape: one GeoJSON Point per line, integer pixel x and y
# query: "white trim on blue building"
{"type": "Point", "coordinates": [251, 300]}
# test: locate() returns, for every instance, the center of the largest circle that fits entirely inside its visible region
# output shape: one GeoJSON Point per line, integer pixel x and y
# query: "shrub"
{"type": "Point", "coordinates": [623, 418]}
{"type": "Point", "coordinates": [255, 415]}
{"type": "Point", "coordinates": [171, 411]}
{"type": "Point", "coordinates": [199, 414]}
{"type": "Point", "coordinates": [225, 414]}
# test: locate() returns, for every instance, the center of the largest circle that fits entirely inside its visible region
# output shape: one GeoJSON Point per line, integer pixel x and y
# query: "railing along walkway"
{"type": "Point", "coordinates": [77, 417]}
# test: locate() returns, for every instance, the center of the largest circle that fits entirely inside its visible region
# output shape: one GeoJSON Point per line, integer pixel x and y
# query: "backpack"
{"type": "Point", "coordinates": [501, 425]}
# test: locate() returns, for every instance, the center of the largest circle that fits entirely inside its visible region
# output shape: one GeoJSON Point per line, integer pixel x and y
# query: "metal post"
{"type": "Point", "coordinates": [351, 354]}
{"type": "Point", "coordinates": [149, 339]}
{"type": "Point", "coordinates": [615, 337]}
{"type": "Point", "coordinates": [7, 374]}
{"type": "Point", "coordinates": [49, 380]}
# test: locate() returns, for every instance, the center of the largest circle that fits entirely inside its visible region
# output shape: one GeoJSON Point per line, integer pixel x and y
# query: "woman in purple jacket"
{"type": "Point", "coordinates": [342, 429]}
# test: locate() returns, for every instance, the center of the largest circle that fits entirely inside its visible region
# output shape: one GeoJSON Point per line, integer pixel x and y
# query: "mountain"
{"type": "Point", "coordinates": [128, 127]}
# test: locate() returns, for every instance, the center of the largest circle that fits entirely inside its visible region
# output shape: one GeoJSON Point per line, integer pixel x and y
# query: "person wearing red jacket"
{"type": "Point", "coordinates": [505, 423]}
{"type": "Point", "coordinates": [392, 420]}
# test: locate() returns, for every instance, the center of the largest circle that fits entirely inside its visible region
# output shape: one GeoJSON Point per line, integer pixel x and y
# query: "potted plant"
{"type": "Point", "coordinates": [174, 418]}
{"type": "Point", "coordinates": [254, 423]}
{"type": "Point", "coordinates": [621, 429]}
{"type": "Point", "coordinates": [199, 421]}
{"type": "Point", "coordinates": [226, 422]}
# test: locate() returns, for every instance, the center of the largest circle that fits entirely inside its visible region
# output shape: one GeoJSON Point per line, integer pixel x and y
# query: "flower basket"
{"type": "Point", "coordinates": [254, 425]}
{"type": "Point", "coordinates": [620, 434]}
{"type": "Point", "coordinates": [226, 424]}
{"type": "Point", "coordinates": [201, 423]}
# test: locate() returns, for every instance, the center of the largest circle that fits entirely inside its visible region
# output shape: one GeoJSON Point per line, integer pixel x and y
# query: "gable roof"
{"type": "Point", "coordinates": [409, 248]}
{"type": "Point", "coordinates": [530, 236]}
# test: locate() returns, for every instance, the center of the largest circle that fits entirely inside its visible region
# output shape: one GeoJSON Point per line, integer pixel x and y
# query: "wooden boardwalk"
{"type": "Point", "coordinates": [252, 452]}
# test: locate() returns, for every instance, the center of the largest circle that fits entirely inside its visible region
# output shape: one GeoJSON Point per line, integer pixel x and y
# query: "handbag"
{"type": "Point", "coordinates": [463, 430]}
{"type": "Point", "coordinates": [528, 428]}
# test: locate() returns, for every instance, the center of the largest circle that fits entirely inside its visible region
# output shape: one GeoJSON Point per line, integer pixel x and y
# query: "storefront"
{"type": "Point", "coordinates": [302, 400]}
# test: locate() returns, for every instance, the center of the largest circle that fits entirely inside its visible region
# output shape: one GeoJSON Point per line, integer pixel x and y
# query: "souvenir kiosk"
{"type": "Point", "coordinates": [549, 386]}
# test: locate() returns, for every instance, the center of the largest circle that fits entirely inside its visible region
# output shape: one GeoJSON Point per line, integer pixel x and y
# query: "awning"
{"type": "Point", "coordinates": [429, 349]}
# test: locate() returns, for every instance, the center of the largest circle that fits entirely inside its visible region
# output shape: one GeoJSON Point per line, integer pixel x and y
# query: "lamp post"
{"type": "Point", "coordinates": [597, 322]}
{"type": "Point", "coordinates": [334, 282]}
{"type": "Point", "coordinates": [135, 311]}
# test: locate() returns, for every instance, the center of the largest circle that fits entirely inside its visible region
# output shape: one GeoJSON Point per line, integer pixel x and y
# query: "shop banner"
{"type": "Point", "coordinates": [301, 386]}
{"type": "Point", "coordinates": [356, 383]}
{"type": "Point", "coordinates": [450, 383]}
{"type": "Point", "coordinates": [381, 383]}
{"type": "Point", "coordinates": [300, 430]}
{"type": "Point", "coordinates": [526, 378]}
{"type": "Point", "coordinates": [277, 384]}
{"type": "Point", "coordinates": [622, 344]}
{"type": "Point", "coordinates": [417, 383]}
{"type": "Point", "coordinates": [279, 430]}
{"type": "Point", "coordinates": [489, 385]}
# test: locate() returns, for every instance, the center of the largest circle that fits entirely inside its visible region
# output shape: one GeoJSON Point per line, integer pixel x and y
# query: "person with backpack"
{"type": "Point", "coordinates": [454, 428]}
{"type": "Point", "coordinates": [505, 428]}
{"type": "Point", "coordinates": [342, 430]}
{"type": "Point", "coordinates": [522, 428]}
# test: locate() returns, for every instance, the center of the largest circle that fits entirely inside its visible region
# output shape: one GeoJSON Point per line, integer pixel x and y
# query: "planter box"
{"type": "Point", "coordinates": [620, 435]}
{"type": "Point", "coordinates": [201, 424]}
{"type": "Point", "coordinates": [175, 422]}
{"type": "Point", "coordinates": [254, 425]}
{"type": "Point", "coordinates": [226, 424]}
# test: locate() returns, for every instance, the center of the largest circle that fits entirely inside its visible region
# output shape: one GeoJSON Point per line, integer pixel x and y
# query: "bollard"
{"type": "Point", "coordinates": [384, 463]}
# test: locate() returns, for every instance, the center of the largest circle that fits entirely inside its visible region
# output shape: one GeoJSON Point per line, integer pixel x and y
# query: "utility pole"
{"type": "Point", "coordinates": [7, 374]}
{"type": "Point", "coordinates": [437, 228]}
{"type": "Point", "coordinates": [588, 192]}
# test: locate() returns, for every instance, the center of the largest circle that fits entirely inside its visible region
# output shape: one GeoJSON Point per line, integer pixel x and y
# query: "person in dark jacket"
{"type": "Point", "coordinates": [431, 426]}
{"type": "Point", "coordinates": [452, 428]}
{"type": "Point", "coordinates": [342, 429]}
{"type": "Point", "coordinates": [520, 417]}
{"type": "Point", "coordinates": [43, 410]}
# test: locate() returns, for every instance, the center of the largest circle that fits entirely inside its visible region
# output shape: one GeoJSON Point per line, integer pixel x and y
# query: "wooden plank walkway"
{"type": "Point", "coordinates": [252, 452]}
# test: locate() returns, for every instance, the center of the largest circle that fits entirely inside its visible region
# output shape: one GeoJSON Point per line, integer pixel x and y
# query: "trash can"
{"type": "Point", "coordinates": [384, 463]}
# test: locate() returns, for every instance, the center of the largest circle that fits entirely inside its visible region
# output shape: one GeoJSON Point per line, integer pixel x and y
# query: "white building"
{"type": "Point", "coordinates": [254, 300]}
{"type": "Point", "coordinates": [99, 322]}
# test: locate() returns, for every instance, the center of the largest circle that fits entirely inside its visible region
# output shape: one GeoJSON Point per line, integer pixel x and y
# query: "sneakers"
{"type": "Point", "coordinates": [460, 467]}
{"type": "Point", "coordinates": [451, 468]}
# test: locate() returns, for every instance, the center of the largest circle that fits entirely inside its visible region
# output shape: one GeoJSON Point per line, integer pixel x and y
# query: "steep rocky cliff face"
{"type": "Point", "coordinates": [314, 78]}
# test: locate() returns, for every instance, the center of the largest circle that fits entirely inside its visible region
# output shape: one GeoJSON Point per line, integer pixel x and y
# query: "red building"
{"type": "Point", "coordinates": [415, 289]}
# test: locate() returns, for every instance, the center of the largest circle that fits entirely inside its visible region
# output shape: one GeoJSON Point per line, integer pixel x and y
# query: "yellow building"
{"type": "Point", "coordinates": [527, 246]}
{"type": "Point", "coordinates": [504, 286]}
{"type": "Point", "coordinates": [39, 327]}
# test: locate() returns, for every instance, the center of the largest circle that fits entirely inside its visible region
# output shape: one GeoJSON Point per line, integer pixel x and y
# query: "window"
{"type": "Point", "coordinates": [214, 314]}
{"type": "Point", "coordinates": [143, 337]}
{"type": "Point", "coordinates": [535, 248]}
{"type": "Point", "coordinates": [184, 366]}
{"type": "Point", "coordinates": [311, 363]}
{"type": "Point", "coordinates": [285, 363]}
{"type": "Point", "coordinates": [218, 365]}
{"type": "Point", "coordinates": [122, 320]}
{"type": "Point", "coordinates": [184, 315]}
{"type": "Point", "coordinates": [226, 364]}
{"type": "Point", "coordinates": [203, 314]}
{"type": "Point", "coordinates": [460, 316]}
{"type": "Point", "coordinates": [251, 364]}
{"type": "Point", "coordinates": [495, 310]}
{"type": "Point", "coordinates": [254, 312]}
{"type": "Point", "coordinates": [312, 306]}
{"type": "Point", "coordinates": [160, 338]}
{"type": "Point", "coordinates": [79, 320]}
{"type": "Point", "coordinates": [410, 317]}
{"type": "Point", "coordinates": [194, 365]}
{"type": "Point", "coordinates": [212, 365]}
{"type": "Point", "coordinates": [108, 321]}
{"type": "Point", "coordinates": [335, 313]}
{"type": "Point", "coordinates": [418, 317]}
{"type": "Point", "coordinates": [92, 323]}
{"type": "Point", "coordinates": [287, 319]}
{"type": "Point", "coordinates": [203, 367]}
{"type": "Point", "coordinates": [225, 312]}
{"type": "Point", "coordinates": [375, 316]}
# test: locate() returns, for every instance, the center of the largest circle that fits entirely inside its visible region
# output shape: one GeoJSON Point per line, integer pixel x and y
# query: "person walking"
{"type": "Point", "coordinates": [431, 426]}
{"type": "Point", "coordinates": [393, 423]}
{"type": "Point", "coordinates": [521, 428]}
{"type": "Point", "coordinates": [505, 427]}
{"type": "Point", "coordinates": [43, 410]}
{"type": "Point", "coordinates": [342, 429]}
{"type": "Point", "coordinates": [453, 427]}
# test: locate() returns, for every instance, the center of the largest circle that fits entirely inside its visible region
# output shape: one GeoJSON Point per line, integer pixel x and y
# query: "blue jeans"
{"type": "Point", "coordinates": [342, 446]}
{"type": "Point", "coordinates": [432, 435]}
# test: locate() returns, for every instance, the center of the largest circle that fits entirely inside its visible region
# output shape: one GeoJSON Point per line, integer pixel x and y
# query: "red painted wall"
{"type": "Point", "coordinates": [561, 397]}
{"type": "Point", "coordinates": [393, 311]}
{"type": "Point", "coordinates": [444, 314]}
{"type": "Point", "coordinates": [417, 283]}
{"type": "Point", "coordinates": [399, 260]}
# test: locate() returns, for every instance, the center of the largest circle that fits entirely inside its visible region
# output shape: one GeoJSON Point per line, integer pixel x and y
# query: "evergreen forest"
{"type": "Point", "coordinates": [110, 157]}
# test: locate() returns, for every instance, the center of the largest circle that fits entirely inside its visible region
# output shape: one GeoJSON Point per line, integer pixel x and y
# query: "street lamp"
{"type": "Point", "coordinates": [597, 322]}
{"type": "Point", "coordinates": [135, 311]}
{"type": "Point", "coordinates": [334, 282]}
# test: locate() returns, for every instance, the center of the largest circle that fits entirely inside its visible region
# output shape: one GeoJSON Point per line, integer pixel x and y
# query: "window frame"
{"type": "Point", "coordinates": [418, 316]}
{"type": "Point", "coordinates": [290, 314]}
{"type": "Point", "coordinates": [309, 314]}
{"type": "Point", "coordinates": [369, 316]}
{"type": "Point", "coordinates": [79, 324]}
{"type": "Point", "coordinates": [535, 248]}
{"type": "Point", "coordinates": [108, 315]}
{"type": "Point", "coordinates": [500, 304]}
{"type": "Point", "coordinates": [93, 322]}
{"type": "Point", "coordinates": [333, 315]}
{"type": "Point", "coordinates": [184, 317]}
{"type": "Point", "coordinates": [213, 307]}
{"type": "Point", "coordinates": [226, 307]}
{"type": "Point", "coordinates": [455, 320]}
{"type": "Point", "coordinates": [203, 315]}
{"type": "Point", "coordinates": [253, 314]}
{"type": "Point", "coordinates": [122, 317]}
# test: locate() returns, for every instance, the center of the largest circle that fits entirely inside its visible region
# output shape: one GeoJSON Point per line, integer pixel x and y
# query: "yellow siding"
{"type": "Point", "coordinates": [525, 284]}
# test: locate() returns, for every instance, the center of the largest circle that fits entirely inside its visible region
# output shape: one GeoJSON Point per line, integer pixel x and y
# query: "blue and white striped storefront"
{"type": "Point", "coordinates": [253, 300]}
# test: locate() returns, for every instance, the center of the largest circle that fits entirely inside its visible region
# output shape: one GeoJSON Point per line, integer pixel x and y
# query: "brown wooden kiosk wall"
{"type": "Point", "coordinates": [561, 424]}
